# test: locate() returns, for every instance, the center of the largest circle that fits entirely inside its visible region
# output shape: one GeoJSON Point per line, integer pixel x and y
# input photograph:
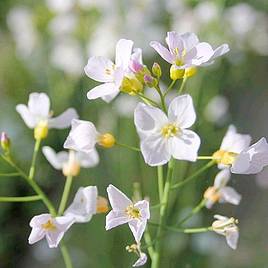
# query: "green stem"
{"type": "Point", "coordinates": [15, 174]}
{"type": "Point", "coordinates": [194, 175]}
{"type": "Point", "coordinates": [66, 256]}
{"type": "Point", "coordinates": [170, 87]}
{"type": "Point", "coordinates": [193, 212]}
{"type": "Point", "coordinates": [36, 149]}
{"type": "Point", "coordinates": [162, 98]}
{"type": "Point", "coordinates": [148, 100]}
{"type": "Point", "coordinates": [163, 213]}
{"type": "Point", "coordinates": [160, 182]}
{"type": "Point", "coordinates": [128, 146]}
{"type": "Point", "coordinates": [149, 243]}
{"type": "Point", "coordinates": [65, 194]}
{"type": "Point", "coordinates": [181, 230]}
{"type": "Point", "coordinates": [205, 157]}
{"type": "Point", "coordinates": [182, 85]}
{"type": "Point", "coordinates": [20, 198]}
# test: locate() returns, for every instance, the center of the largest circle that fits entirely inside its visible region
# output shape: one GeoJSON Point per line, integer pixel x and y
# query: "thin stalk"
{"type": "Point", "coordinates": [181, 230]}
{"type": "Point", "coordinates": [14, 174]}
{"type": "Point", "coordinates": [65, 195]}
{"type": "Point", "coordinates": [160, 182]}
{"type": "Point", "coordinates": [128, 146]}
{"type": "Point", "coordinates": [204, 157]}
{"type": "Point", "coordinates": [148, 100]}
{"type": "Point", "coordinates": [35, 153]}
{"type": "Point", "coordinates": [193, 176]}
{"type": "Point", "coordinates": [163, 213]}
{"type": "Point", "coordinates": [193, 212]}
{"type": "Point", "coordinates": [182, 85]}
{"type": "Point", "coordinates": [149, 243]}
{"type": "Point", "coordinates": [66, 256]}
{"type": "Point", "coordinates": [170, 87]}
{"type": "Point", "coordinates": [162, 98]}
{"type": "Point", "coordinates": [20, 198]}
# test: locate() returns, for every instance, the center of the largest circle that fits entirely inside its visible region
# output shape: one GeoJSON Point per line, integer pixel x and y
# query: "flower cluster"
{"type": "Point", "coordinates": [165, 138]}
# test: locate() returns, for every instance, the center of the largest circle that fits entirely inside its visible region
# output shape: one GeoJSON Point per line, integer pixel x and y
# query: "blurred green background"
{"type": "Point", "coordinates": [44, 46]}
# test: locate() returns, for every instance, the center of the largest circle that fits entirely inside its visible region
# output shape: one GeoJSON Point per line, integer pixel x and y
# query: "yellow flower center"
{"type": "Point", "coordinates": [133, 212]}
{"type": "Point", "coordinates": [169, 130]}
{"type": "Point", "coordinates": [41, 130]}
{"type": "Point", "coordinates": [106, 140]}
{"type": "Point", "coordinates": [131, 86]}
{"type": "Point", "coordinates": [224, 157]}
{"type": "Point", "coordinates": [49, 226]}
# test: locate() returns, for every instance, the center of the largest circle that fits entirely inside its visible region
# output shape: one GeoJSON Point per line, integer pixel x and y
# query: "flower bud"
{"type": "Point", "coordinates": [102, 205]}
{"type": "Point", "coordinates": [41, 130]}
{"type": "Point", "coordinates": [131, 85]}
{"type": "Point", "coordinates": [106, 140]}
{"type": "Point", "coordinates": [156, 70]}
{"type": "Point", "coordinates": [149, 81]}
{"type": "Point", "coordinates": [5, 142]}
{"type": "Point", "coordinates": [176, 73]}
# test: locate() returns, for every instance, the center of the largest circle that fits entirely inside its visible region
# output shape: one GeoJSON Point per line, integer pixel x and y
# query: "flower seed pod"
{"type": "Point", "coordinates": [156, 70]}
{"type": "Point", "coordinates": [5, 142]}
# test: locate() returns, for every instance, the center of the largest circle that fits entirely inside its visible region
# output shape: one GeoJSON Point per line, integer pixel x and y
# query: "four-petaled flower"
{"type": "Point", "coordinates": [219, 192]}
{"type": "Point", "coordinates": [125, 211]}
{"type": "Point", "coordinates": [185, 51]}
{"type": "Point", "coordinates": [37, 115]}
{"type": "Point", "coordinates": [227, 227]}
{"type": "Point", "coordinates": [53, 229]}
{"type": "Point", "coordinates": [242, 158]}
{"type": "Point", "coordinates": [111, 74]}
{"type": "Point", "coordinates": [86, 203]}
{"type": "Point", "coordinates": [162, 136]}
{"type": "Point", "coordinates": [70, 162]}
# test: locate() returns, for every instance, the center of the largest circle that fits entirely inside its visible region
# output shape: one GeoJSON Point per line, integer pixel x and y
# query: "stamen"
{"type": "Point", "coordinates": [224, 157]}
{"type": "Point", "coordinates": [133, 212]}
{"type": "Point", "coordinates": [49, 226]}
{"type": "Point", "coordinates": [170, 130]}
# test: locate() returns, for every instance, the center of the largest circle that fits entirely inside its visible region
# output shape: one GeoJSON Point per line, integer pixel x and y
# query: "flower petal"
{"type": "Point", "coordinates": [143, 206]}
{"type": "Point", "coordinates": [235, 142]}
{"type": "Point", "coordinates": [181, 110]}
{"type": "Point", "coordinates": [174, 42]}
{"type": "Point", "coordinates": [54, 238]}
{"type": "Point", "coordinates": [123, 53]}
{"type": "Point", "coordinates": [39, 104]}
{"type": "Point", "coordinates": [190, 40]}
{"type": "Point", "coordinates": [29, 119]}
{"type": "Point", "coordinates": [82, 137]}
{"type": "Point", "coordinates": [103, 90]}
{"type": "Point", "coordinates": [163, 52]}
{"type": "Point", "coordinates": [203, 53]}
{"type": "Point", "coordinates": [137, 228]}
{"type": "Point", "coordinates": [232, 236]}
{"type": "Point", "coordinates": [118, 200]}
{"type": "Point", "coordinates": [155, 150]}
{"type": "Point", "coordinates": [230, 195]}
{"type": "Point", "coordinates": [116, 218]}
{"type": "Point", "coordinates": [36, 235]}
{"type": "Point", "coordinates": [185, 146]}
{"type": "Point", "coordinates": [222, 178]}
{"type": "Point", "coordinates": [36, 221]}
{"type": "Point", "coordinates": [100, 69]}
{"type": "Point", "coordinates": [141, 260]}
{"type": "Point", "coordinates": [55, 159]}
{"type": "Point", "coordinates": [64, 120]}
{"type": "Point", "coordinates": [148, 119]}
{"type": "Point", "coordinates": [88, 160]}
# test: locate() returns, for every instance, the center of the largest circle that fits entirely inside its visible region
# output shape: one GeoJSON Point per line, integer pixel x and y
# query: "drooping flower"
{"type": "Point", "coordinates": [162, 136]}
{"type": "Point", "coordinates": [219, 192]}
{"type": "Point", "coordinates": [37, 115]}
{"type": "Point", "coordinates": [227, 227]}
{"type": "Point", "coordinates": [86, 203]}
{"type": "Point", "coordinates": [125, 211]}
{"type": "Point", "coordinates": [53, 229]}
{"type": "Point", "coordinates": [185, 51]}
{"type": "Point", "coordinates": [111, 74]}
{"type": "Point", "coordinates": [70, 162]}
{"type": "Point", "coordinates": [236, 153]}
{"type": "Point", "coordinates": [135, 248]}
{"type": "Point", "coordinates": [83, 137]}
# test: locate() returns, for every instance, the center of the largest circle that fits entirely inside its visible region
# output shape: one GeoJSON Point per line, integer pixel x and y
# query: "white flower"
{"type": "Point", "coordinates": [142, 256]}
{"type": "Point", "coordinates": [84, 136]}
{"type": "Point", "coordinates": [86, 203]}
{"type": "Point", "coordinates": [38, 112]}
{"type": "Point", "coordinates": [253, 159]}
{"type": "Point", "coordinates": [185, 50]}
{"type": "Point", "coordinates": [236, 152]}
{"type": "Point", "coordinates": [53, 229]}
{"type": "Point", "coordinates": [227, 227]}
{"type": "Point", "coordinates": [124, 211]}
{"type": "Point", "coordinates": [164, 136]}
{"type": "Point", "coordinates": [111, 74]}
{"type": "Point", "coordinates": [220, 192]}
